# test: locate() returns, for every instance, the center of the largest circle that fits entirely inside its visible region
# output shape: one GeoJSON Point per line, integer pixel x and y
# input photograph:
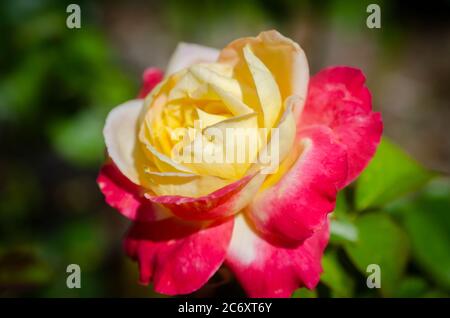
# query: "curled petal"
{"type": "Point", "coordinates": [282, 56]}
{"type": "Point", "coordinates": [125, 196]}
{"type": "Point", "coordinates": [223, 202]}
{"type": "Point", "coordinates": [338, 98]}
{"type": "Point", "coordinates": [297, 205]}
{"type": "Point", "coordinates": [183, 184]}
{"type": "Point", "coordinates": [267, 270]}
{"type": "Point", "coordinates": [266, 87]}
{"type": "Point", "coordinates": [178, 257]}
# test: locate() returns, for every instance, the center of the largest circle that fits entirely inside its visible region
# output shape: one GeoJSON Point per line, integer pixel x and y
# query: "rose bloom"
{"type": "Point", "coordinates": [190, 218]}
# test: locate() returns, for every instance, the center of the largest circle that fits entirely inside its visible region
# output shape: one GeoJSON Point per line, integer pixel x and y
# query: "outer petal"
{"type": "Point", "coordinates": [178, 257]}
{"type": "Point", "coordinates": [151, 77]}
{"type": "Point", "coordinates": [125, 196]}
{"type": "Point", "coordinates": [338, 98]}
{"type": "Point", "coordinates": [298, 204]}
{"type": "Point", "coordinates": [223, 202]}
{"type": "Point", "coordinates": [120, 133]}
{"type": "Point", "coordinates": [268, 270]}
{"type": "Point", "coordinates": [187, 54]}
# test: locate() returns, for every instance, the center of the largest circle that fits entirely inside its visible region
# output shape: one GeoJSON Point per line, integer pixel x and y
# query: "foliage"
{"type": "Point", "coordinates": [394, 217]}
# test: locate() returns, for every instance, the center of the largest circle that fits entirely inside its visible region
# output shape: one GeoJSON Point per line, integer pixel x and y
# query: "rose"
{"type": "Point", "coordinates": [190, 217]}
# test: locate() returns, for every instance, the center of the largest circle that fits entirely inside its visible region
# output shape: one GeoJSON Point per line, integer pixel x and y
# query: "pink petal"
{"type": "Point", "coordinates": [151, 77]}
{"type": "Point", "coordinates": [223, 202]}
{"type": "Point", "coordinates": [178, 257]}
{"type": "Point", "coordinates": [125, 196]}
{"type": "Point", "coordinates": [267, 270]}
{"type": "Point", "coordinates": [295, 207]}
{"type": "Point", "coordinates": [338, 98]}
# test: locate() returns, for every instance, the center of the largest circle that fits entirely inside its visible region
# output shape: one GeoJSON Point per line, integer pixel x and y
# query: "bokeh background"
{"type": "Point", "coordinates": [58, 84]}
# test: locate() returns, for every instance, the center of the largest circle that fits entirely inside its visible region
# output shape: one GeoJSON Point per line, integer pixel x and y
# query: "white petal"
{"type": "Point", "coordinates": [246, 253]}
{"type": "Point", "coordinates": [120, 133]}
{"type": "Point", "coordinates": [187, 54]}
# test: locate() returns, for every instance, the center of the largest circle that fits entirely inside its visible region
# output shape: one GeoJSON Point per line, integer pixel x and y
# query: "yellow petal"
{"type": "Point", "coordinates": [281, 143]}
{"type": "Point", "coordinates": [282, 56]}
{"type": "Point", "coordinates": [227, 149]}
{"type": "Point", "coordinates": [164, 163]}
{"type": "Point", "coordinates": [267, 88]}
{"type": "Point", "coordinates": [184, 87]}
{"type": "Point", "coordinates": [236, 107]}
{"type": "Point", "coordinates": [207, 75]}
{"type": "Point", "coordinates": [209, 119]}
{"type": "Point", "coordinates": [183, 184]}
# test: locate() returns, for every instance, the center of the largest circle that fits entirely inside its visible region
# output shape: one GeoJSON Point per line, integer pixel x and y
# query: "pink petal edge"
{"type": "Point", "coordinates": [220, 203]}
{"type": "Point", "coordinates": [267, 270]}
{"type": "Point", "coordinates": [293, 209]}
{"type": "Point", "coordinates": [339, 98]}
{"type": "Point", "coordinates": [125, 196]}
{"type": "Point", "coordinates": [150, 78]}
{"type": "Point", "coordinates": [178, 257]}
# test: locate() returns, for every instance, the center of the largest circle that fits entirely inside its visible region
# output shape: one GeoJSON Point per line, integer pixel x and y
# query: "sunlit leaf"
{"type": "Point", "coordinates": [380, 242]}
{"type": "Point", "coordinates": [390, 174]}
{"type": "Point", "coordinates": [343, 231]}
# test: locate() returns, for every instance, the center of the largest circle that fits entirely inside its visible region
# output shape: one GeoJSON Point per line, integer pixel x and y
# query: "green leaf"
{"type": "Point", "coordinates": [411, 287]}
{"type": "Point", "coordinates": [390, 174]}
{"type": "Point", "coordinates": [20, 89]}
{"type": "Point", "coordinates": [436, 294]}
{"type": "Point", "coordinates": [335, 277]}
{"type": "Point", "coordinates": [304, 293]}
{"type": "Point", "coordinates": [342, 208]}
{"type": "Point", "coordinates": [427, 221]}
{"type": "Point", "coordinates": [343, 231]}
{"type": "Point", "coordinates": [381, 242]}
{"type": "Point", "coordinates": [81, 241]}
{"type": "Point", "coordinates": [79, 139]}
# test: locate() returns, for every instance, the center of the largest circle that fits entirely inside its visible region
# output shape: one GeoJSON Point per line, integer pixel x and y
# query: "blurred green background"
{"type": "Point", "coordinates": [58, 84]}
